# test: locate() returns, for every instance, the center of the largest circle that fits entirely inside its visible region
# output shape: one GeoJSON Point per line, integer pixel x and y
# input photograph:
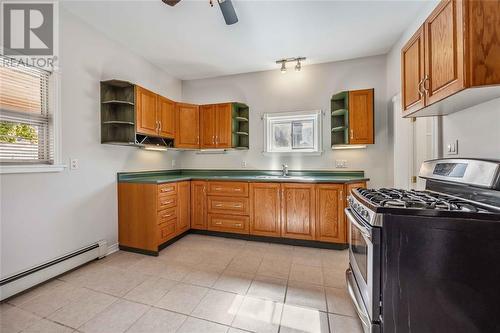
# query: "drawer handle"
{"type": "Point", "coordinates": [218, 188]}
{"type": "Point", "coordinates": [218, 223]}
{"type": "Point", "coordinates": [237, 189]}
{"type": "Point", "coordinates": [167, 189]}
{"type": "Point", "coordinates": [167, 215]}
{"type": "Point", "coordinates": [237, 225]}
{"type": "Point", "coordinates": [218, 205]}
{"type": "Point", "coordinates": [166, 202]}
{"type": "Point", "coordinates": [237, 206]}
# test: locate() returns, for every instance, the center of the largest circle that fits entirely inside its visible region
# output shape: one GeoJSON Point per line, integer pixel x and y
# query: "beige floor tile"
{"type": "Point", "coordinates": [193, 325]}
{"type": "Point", "coordinates": [122, 259]}
{"type": "Point", "coordinates": [303, 320]}
{"type": "Point", "coordinates": [116, 318]}
{"type": "Point", "coordinates": [307, 274]}
{"type": "Point", "coordinates": [339, 302]}
{"type": "Point", "coordinates": [148, 266]}
{"type": "Point", "coordinates": [274, 268]}
{"type": "Point", "coordinates": [343, 324]}
{"type": "Point", "coordinates": [79, 311]}
{"type": "Point", "coordinates": [47, 303]}
{"type": "Point", "coordinates": [334, 278]}
{"type": "Point", "coordinates": [191, 257]}
{"type": "Point", "coordinates": [245, 263]}
{"type": "Point", "coordinates": [268, 288]}
{"type": "Point", "coordinates": [258, 315]}
{"type": "Point", "coordinates": [218, 306]}
{"type": "Point", "coordinates": [46, 326]}
{"type": "Point", "coordinates": [306, 295]}
{"type": "Point", "coordinates": [175, 271]}
{"type": "Point", "coordinates": [151, 290]}
{"type": "Point", "coordinates": [204, 278]}
{"type": "Point", "coordinates": [309, 259]}
{"type": "Point", "coordinates": [235, 282]}
{"type": "Point", "coordinates": [335, 258]}
{"type": "Point", "coordinates": [158, 321]}
{"type": "Point", "coordinates": [236, 330]}
{"type": "Point", "coordinates": [34, 292]}
{"type": "Point", "coordinates": [13, 319]}
{"type": "Point", "coordinates": [182, 298]}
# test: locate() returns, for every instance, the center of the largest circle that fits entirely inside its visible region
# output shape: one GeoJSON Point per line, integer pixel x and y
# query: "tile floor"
{"type": "Point", "coordinates": [199, 284]}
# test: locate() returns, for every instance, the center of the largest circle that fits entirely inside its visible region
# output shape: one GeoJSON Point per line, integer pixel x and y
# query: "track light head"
{"type": "Point", "coordinates": [283, 67]}
{"type": "Point", "coordinates": [298, 67]}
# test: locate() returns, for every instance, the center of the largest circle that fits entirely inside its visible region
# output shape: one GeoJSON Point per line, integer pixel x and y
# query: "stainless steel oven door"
{"type": "Point", "coordinates": [364, 259]}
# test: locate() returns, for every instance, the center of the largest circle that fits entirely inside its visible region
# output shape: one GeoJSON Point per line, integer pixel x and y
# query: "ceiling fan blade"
{"type": "Point", "coordinates": [227, 9]}
{"type": "Point", "coordinates": [171, 2]}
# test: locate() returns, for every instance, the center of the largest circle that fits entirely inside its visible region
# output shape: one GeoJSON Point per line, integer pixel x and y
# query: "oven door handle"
{"type": "Point", "coordinates": [363, 229]}
{"type": "Point", "coordinates": [357, 300]}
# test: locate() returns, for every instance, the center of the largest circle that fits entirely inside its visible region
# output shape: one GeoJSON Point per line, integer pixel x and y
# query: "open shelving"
{"type": "Point", "coordinates": [240, 126]}
{"type": "Point", "coordinates": [340, 118]}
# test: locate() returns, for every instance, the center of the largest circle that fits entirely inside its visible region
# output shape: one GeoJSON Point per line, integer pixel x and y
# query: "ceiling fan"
{"type": "Point", "coordinates": [226, 7]}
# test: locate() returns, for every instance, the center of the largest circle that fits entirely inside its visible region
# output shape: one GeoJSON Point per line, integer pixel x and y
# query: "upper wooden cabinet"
{"type": "Point", "coordinates": [208, 126]}
{"type": "Point", "coordinates": [456, 48]}
{"type": "Point", "coordinates": [187, 126]}
{"type": "Point", "coordinates": [298, 211]}
{"type": "Point", "coordinates": [147, 122]}
{"type": "Point", "coordinates": [265, 205]}
{"type": "Point", "coordinates": [166, 117]}
{"type": "Point", "coordinates": [352, 117]}
{"type": "Point", "coordinates": [216, 125]}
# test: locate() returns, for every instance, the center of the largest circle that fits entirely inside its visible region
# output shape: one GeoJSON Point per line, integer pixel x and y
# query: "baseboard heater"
{"type": "Point", "coordinates": [22, 281]}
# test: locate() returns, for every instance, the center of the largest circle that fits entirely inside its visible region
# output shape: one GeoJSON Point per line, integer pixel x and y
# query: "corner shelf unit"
{"type": "Point", "coordinates": [240, 126]}
{"type": "Point", "coordinates": [340, 118]}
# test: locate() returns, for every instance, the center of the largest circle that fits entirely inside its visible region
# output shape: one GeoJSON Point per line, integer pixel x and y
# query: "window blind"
{"type": "Point", "coordinates": [26, 131]}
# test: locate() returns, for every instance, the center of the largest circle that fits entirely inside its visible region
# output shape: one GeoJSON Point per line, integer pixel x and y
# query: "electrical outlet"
{"type": "Point", "coordinates": [243, 164]}
{"type": "Point", "coordinates": [73, 164]}
{"type": "Point", "coordinates": [452, 148]}
{"type": "Point", "coordinates": [173, 163]}
{"type": "Point", "coordinates": [341, 164]}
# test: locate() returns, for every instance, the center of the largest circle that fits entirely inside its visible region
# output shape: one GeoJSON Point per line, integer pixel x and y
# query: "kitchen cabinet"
{"type": "Point", "coordinates": [330, 226]}
{"type": "Point", "coordinates": [361, 117]}
{"type": "Point", "coordinates": [298, 211]}
{"type": "Point", "coordinates": [166, 117]}
{"type": "Point", "coordinates": [265, 209]}
{"type": "Point", "coordinates": [147, 122]}
{"type": "Point", "coordinates": [187, 126]}
{"type": "Point", "coordinates": [184, 207]}
{"type": "Point", "coordinates": [215, 125]}
{"type": "Point", "coordinates": [199, 204]}
{"type": "Point", "coordinates": [452, 52]}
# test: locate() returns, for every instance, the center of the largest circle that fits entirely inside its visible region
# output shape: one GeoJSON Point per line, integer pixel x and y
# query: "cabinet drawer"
{"type": "Point", "coordinates": [167, 215]}
{"type": "Point", "coordinates": [228, 205]}
{"type": "Point", "coordinates": [166, 189]}
{"type": "Point", "coordinates": [167, 201]}
{"type": "Point", "coordinates": [165, 232]}
{"type": "Point", "coordinates": [228, 223]}
{"type": "Point", "coordinates": [228, 188]}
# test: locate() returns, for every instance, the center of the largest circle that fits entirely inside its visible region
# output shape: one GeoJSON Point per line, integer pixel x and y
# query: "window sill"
{"type": "Point", "coordinates": [6, 169]}
{"type": "Point", "coordinates": [295, 153]}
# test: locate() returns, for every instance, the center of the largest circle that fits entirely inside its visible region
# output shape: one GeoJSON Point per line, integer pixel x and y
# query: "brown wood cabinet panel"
{"type": "Point", "coordinates": [137, 216]}
{"type": "Point", "coordinates": [298, 211]}
{"type": "Point", "coordinates": [224, 128]}
{"type": "Point", "coordinates": [484, 42]}
{"type": "Point", "coordinates": [208, 126]}
{"type": "Point", "coordinates": [199, 204]}
{"type": "Point", "coordinates": [265, 206]}
{"type": "Point", "coordinates": [184, 207]}
{"type": "Point", "coordinates": [330, 225]}
{"type": "Point", "coordinates": [361, 117]}
{"type": "Point", "coordinates": [167, 201]}
{"type": "Point", "coordinates": [412, 73]}
{"type": "Point", "coordinates": [187, 126]}
{"type": "Point", "coordinates": [444, 51]}
{"type": "Point", "coordinates": [146, 120]}
{"type": "Point", "coordinates": [166, 117]}
{"type": "Point", "coordinates": [228, 223]}
{"type": "Point", "coordinates": [167, 189]}
{"type": "Point", "coordinates": [239, 189]}
{"type": "Point", "coordinates": [166, 231]}
{"type": "Point", "coordinates": [228, 205]}
{"type": "Point", "coordinates": [167, 215]}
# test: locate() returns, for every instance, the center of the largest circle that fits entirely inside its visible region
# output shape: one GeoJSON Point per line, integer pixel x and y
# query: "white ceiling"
{"type": "Point", "coordinates": [192, 41]}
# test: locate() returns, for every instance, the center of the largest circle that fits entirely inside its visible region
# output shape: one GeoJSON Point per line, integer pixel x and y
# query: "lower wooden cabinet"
{"type": "Point", "coordinates": [330, 226]}
{"type": "Point", "coordinates": [228, 223]}
{"type": "Point", "coordinates": [183, 207]}
{"type": "Point", "coordinates": [265, 209]}
{"type": "Point", "coordinates": [298, 211]}
{"type": "Point", "coordinates": [199, 204]}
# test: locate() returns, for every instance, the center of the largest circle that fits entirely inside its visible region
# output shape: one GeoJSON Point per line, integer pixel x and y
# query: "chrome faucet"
{"type": "Point", "coordinates": [284, 170]}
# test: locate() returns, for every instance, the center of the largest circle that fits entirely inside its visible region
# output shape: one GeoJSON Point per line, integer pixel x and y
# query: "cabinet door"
{"type": "Point", "coordinates": [361, 117]}
{"type": "Point", "coordinates": [199, 205]}
{"type": "Point", "coordinates": [187, 126]}
{"type": "Point", "coordinates": [166, 117]}
{"type": "Point", "coordinates": [265, 219]}
{"type": "Point", "coordinates": [330, 225]}
{"type": "Point", "coordinates": [412, 73]}
{"type": "Point", "coordinates": [224, 121]}
{"type": "Point", "coordinates": [444, 51]}
{"type": "Point", "coordinates": [298, 211]}
{"type": "Point", "coordinates": [184, 207]}
{"type": "Point", "coordinates": [208, 126]}
{"type": "Point", "coordinates": [348, 188]}
{"type": "Point", "coordinates": [146, 122]}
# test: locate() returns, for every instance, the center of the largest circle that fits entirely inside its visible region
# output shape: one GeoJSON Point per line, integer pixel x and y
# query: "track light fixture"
{"type": "Point", "coordinates": [283, 62]}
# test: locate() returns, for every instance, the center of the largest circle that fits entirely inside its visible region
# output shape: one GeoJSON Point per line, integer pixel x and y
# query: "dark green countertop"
{"type": "Point", "coordinates": [306, 176]}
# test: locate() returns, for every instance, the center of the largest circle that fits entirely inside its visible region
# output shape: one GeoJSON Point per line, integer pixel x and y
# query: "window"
{"type": "Point", "coordinates": [26, 120]}
{"type": "Point", "coordinates": [298, 132]}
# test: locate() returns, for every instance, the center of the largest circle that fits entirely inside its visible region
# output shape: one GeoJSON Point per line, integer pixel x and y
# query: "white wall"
{"type": "Point", "coordinates": [310, 89]}
{"type": "Point", "coordinates": [46, 215]}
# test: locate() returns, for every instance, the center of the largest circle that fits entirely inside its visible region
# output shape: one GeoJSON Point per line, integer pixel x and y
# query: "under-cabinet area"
{"type": "Point", "coordinates": [151, 215]}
